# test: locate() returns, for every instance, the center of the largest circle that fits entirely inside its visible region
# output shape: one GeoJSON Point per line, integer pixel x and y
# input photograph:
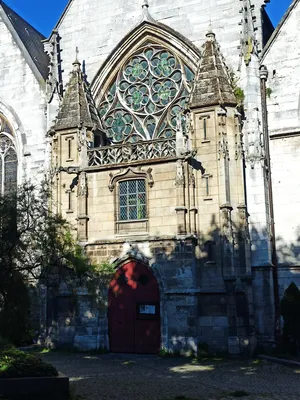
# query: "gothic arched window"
{"type": "Point", "coordinates": [8, 159]}
{"type": "Point", "coordinates": [144, 99]}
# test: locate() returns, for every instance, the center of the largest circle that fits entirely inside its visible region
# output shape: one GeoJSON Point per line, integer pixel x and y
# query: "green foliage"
{"type": "Point", "coordinates": [4, 344]}
{"type": "Point", "coordinates": [163, 352]}
{"type": "Point", "coordinates": [290, 310]}
{"type": "Point", "coordinates": [35, 244]}
{"type": "Point", "coordinates": [238, 91]}
{"type": "Point", "coordinates": [18, 364]}
{"type": "Point", "coordinates": [98, 279]}
{"type": "Point", "coordinates": [240, 95]}
{"type": "Point", "coordinates": [14, 317]}
{"type": "Point", "coordinates": [269, 91]}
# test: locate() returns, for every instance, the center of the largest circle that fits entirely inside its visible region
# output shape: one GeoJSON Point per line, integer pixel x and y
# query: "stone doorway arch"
{"type": "Point", "coordinates": [134, 310]}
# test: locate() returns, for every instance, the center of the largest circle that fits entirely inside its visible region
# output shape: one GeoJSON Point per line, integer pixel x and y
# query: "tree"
{"type": "Point", "coordinates": [35, 244]}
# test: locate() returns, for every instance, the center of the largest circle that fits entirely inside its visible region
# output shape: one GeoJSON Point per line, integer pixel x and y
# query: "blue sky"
{"type": "Point", "coordinates": [44, 17]}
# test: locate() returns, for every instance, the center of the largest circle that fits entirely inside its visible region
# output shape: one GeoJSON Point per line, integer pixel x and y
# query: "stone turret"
{"type": "Point", "coordinates": [76, 129]}
{"type": "Point", "coordinates": [212, 84]}
{"type": "Point", "coordinates": [78, 109]}
{"type": "Point", "coordinates": [223, 214]}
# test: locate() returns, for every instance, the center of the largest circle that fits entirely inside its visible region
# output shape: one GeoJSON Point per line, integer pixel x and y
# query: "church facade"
{"type": "Point", "coordinates": [156, 138]}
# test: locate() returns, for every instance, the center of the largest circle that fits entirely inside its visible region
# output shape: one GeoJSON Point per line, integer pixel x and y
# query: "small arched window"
{"type": "Point", "coordinates": [8, 159]}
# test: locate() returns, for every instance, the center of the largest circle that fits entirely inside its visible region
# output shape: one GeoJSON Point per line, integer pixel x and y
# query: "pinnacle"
{"type": "Point", "coordinates": [76, 63]}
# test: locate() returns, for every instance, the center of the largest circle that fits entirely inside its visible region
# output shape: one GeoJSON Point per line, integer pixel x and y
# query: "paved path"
{"type": "Point", "coordinates": [134, 377]}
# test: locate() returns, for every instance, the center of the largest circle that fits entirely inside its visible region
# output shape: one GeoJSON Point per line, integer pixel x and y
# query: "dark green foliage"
{"type": "Point", "coordinates": [35, 245]}
{"type": "Point", "coordinates": [4, 344]}
{"type": "Point", "coordinates": [18, 364]}
{"type": "Point", "coordinates": [290, 310]}
{"type": "Point", "coordinates": [14, 315]}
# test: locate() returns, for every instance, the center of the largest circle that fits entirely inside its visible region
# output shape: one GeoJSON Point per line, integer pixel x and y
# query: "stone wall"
{"type": "Point", "coordinates": [22, 102]}
{"type": "Point", "coordinates": [96, 28]}
{"type": "Point", "coordinates": [282, 60]}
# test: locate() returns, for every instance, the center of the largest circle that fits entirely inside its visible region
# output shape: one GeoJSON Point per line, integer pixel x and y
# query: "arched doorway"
{"type": "Point", "coordinates": [134, 310]}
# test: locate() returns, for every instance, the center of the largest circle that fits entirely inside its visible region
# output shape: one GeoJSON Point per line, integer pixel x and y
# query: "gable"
{"type": "Point", "coordinates": [146, 83]}
{"type": "Point", "coordinates": [28, 39]}
{"type": "Point", "coordinates": [283, 28]}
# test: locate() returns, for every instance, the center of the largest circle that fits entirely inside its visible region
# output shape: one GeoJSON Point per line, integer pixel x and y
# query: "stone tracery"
{"type": "Point", "coordinates": [148, 93]}
{"type": "Point", "coordinates": [8, 158]}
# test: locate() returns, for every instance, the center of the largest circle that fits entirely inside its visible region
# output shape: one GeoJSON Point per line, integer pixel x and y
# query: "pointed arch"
{"type": "Point", "coordinates": [8, 158]}
{"type": "Point", "coordinates": [145, 82]}
{"type": "Point", "coordinates": [13, 141]}
{"type": "Point", "coordinates": [135, 287]}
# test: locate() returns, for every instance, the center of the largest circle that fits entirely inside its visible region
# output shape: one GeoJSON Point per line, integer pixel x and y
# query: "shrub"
{"type": "Point", "coordinates": [4, 344]}
{"type": "Point", "coordinates": [18, 364]}
{"type": "Point", "coordinates": [290, 306]}
{"type": "Point", "coordinates": [14, 313]}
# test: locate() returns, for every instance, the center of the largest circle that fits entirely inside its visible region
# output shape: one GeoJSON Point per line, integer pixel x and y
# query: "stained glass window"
{"type": "Point", "coordinates": [8, 159]}
{"type": "Point", "coordinates": [132, 200]}
{"type": "Point", "coordinates": [148, 93]}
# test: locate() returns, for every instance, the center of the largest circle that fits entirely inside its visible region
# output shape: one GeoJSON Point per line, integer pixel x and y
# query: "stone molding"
{"type": "Point", "coordinates": [131, 173]}
{"type": "Point", "coordinates": [130, 152]}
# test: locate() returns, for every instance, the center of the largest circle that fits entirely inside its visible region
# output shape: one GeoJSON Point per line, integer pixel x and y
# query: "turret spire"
{"type": "Point", "coordinates": [76, 63]}
{"type": "Point", "coordinates": [212, 84]}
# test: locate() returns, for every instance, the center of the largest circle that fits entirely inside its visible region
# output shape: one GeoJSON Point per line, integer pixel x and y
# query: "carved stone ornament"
{"type": "Point", "coordinates": [179, 180]}
{"type": "Point", "coordinates": [243, 219]}
{"type": "Point", "coordinates": [130, 173]}
{"type": "Point", "coordinates": [238, 147]}
{"type": "Point", "coordinates": [226, 210]}
{"type": "Point", "coordinates": [84, 138]}
{"type": "Point", "coordinates": [192, 179]}
{"type": "Point", "coordinates": [223, 151]}
{"type": "Point", "coordinates": [143, 150]}
{"type": "Point", "coordinates": [255, 153]}
{"type": "Point", "coordinates": [82, 185]}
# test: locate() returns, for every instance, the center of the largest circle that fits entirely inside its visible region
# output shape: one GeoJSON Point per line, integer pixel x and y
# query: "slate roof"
{"type": "Point", "coordinates": [212, 84]}
{"type": "Point", "coordinates": [77, 108]}
{"type": "Point", "coordinates": [31, 38]}
{"type": "Point", "coordinates": [277, 31]}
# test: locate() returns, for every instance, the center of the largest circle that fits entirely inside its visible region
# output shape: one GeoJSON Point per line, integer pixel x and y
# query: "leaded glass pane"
{"type": "Point", "coordinates": [132, 200]}
{"type": "Point", "coordinates": [8, 159]}
{"type": "Point", "coordinates": [10, 171]}
{"type": "Point", "coordinates": [149, 91]}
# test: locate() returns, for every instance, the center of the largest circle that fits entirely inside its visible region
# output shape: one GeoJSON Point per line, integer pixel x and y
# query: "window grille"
{"type": "Point", "coordinates": [132, 200]}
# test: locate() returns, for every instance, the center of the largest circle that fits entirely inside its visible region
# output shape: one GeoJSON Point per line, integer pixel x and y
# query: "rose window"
{"type": "Point", "coordinates": [146, 96]}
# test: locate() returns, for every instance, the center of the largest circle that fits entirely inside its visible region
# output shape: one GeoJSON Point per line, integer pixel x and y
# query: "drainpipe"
{"type": "Point", "coordinates": [263, 79]}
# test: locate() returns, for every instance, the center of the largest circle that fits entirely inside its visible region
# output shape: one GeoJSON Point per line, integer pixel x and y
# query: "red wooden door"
{"type": "Point", "coordinates": [133, 310]}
